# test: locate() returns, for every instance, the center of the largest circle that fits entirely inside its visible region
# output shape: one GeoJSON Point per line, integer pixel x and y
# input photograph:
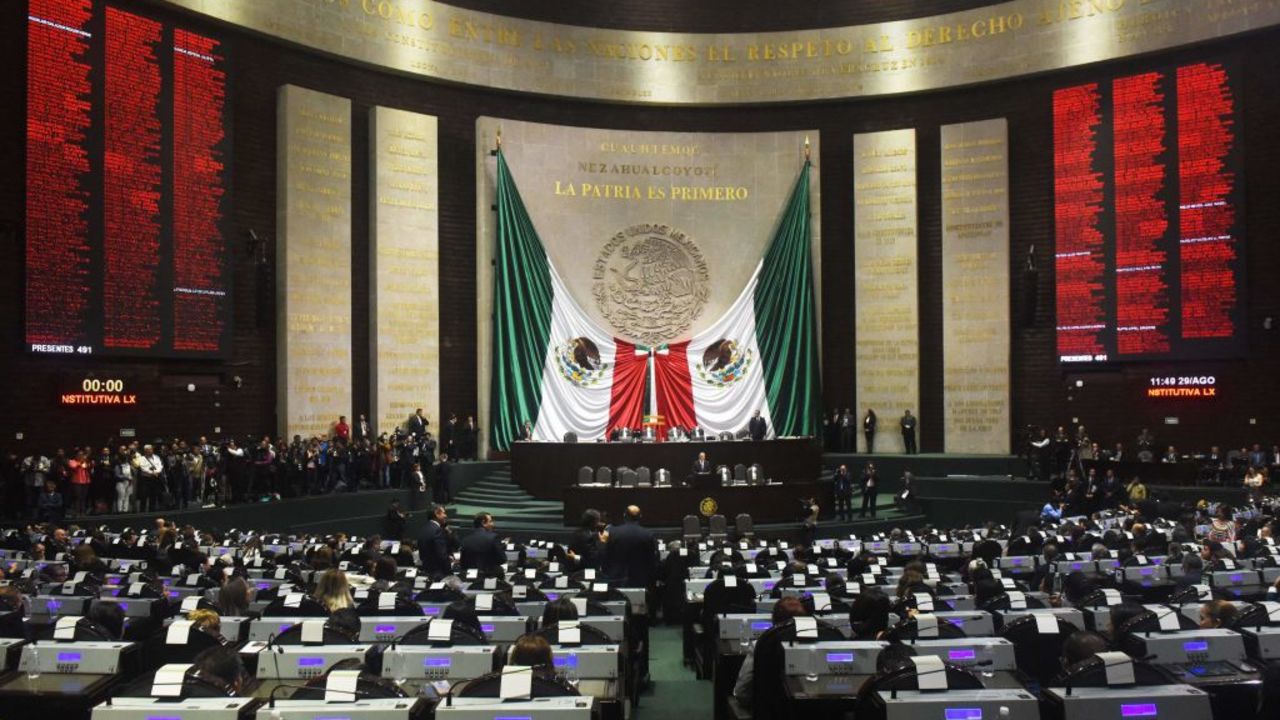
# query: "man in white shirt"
{"type": "Point", "coordinates": [150, 479]}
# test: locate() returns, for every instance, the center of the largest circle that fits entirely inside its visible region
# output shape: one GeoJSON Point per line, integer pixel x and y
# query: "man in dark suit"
{"type": "Point", "coordinates": [482, 549]}
{"type": "Point", "coordinates": [757, 427]}
{"type": "Point", "coordinates": [700, 474]}
{"type": "Point", "coordinates": [908, 423]}
{"type": "Point", "coordinates": [869, 429]}
{"type": "Point", "coordinates": [440, 489]}
{"type": "Point", "coordinates": [870, 486]}
{"type": "Point", "coordinates": [418, 423]}
{"type": "Point", "coordinates": [842, 488]}
{"type": "Point", "coordinates": [631, 552]}
{"type": "Point", "coordinates": [433, 544]}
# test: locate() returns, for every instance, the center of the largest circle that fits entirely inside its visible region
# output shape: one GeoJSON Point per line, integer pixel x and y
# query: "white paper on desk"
{"type": "Point", "coordinates": [1141, 559]}
{"type": "Point", "coordinates": [797, 579]}
{"type": "Point", "coordinates": [1228, 563]}
{"type": "Point", "coordinates": [832, 562]}
{"type": "Point", "coordinates": [869, 578]}
{"type": "Point", "coordinates": [1119, 668]}
{"type": "Point", "coordinates": [341, 565]}
{"type": "Point", "coordinates": [519, 592]}
{"type": "Point", "coordinates": [293, 600]}
{"type": "Point", "coordinates": [135, 589]}
{"type": "Point", "coordinates": [395, 547]}
{"type": "Point", "coordinates": [530, 573]}
{"type": "Point", "coordinates": [440, 630]}
{"type": "Point", "coordinates": [821, 601]}
{"type": "Point", "coordinates": [66, 628]}
{"type": "Point", "coordinates": [784, 545]}
{"type": "Point", "coordinates": [340, 686]}
{"type": "Point", "coordinates": [926, 625]}
{"type": "Point", "coordinates": [752, 568]}
{"type": "Point", "coordinates": [580, 604]}
{"type": "Point", "coordinates": [69, 587]}
{"type": "Point", "coordinates": [730, 581]}
{"type": "Point", "coordinates": [1112, 596]}
{"type": "Point", "coordinates": [491, 583]}
{"type": "Point", "coordinates": [553, 567]}
{"type": "Point", "coordinates": [472, 574]}
{"type": "Point", "coordinates": [806, 628]}
{"type": "Point", "coordinates": [875, 569]}
{"type": "Point", "coordinates": [190, 602]}
{"type": "Point", "coordinates": [168, 680]}
{"type": "Point", "coordinates": [313, 632]}
{"type": "Point", "coordinates": [931, 672]}
{"type": "Point", "coordinates": [589, 574]}
{"type": "Point", "coordinates": [684, 552]}
{"type": "Point", "coordinates": [439, 585]}
{"type": "Point", "coordinates": [411, 572]}
{"type": "Point", "coordinates": [79, 577]}
{"type": "Point", "coordinates": [1017, 600]}
{"type": "Point", "coordinates": [570, 632]}
{"type": "Point", "coordinates": [600, 587]}
{"type": "Point", "coordinates": [811, 568]}
{"type": "Point", "coordinates": [386, 601]}
{"type": "Point", "coordinates": [562, 581]}
{"type": "Point", "coordinates": [852, 588]}
{"type": "Point", "coordinates": [1046, 623]}
{"type": "Point", "coordinates": [484, 602]}
{"type": "Point", "coordinates": [517, 683]}
{"type": "Point", "coordinates": [924, 602]}
{"type": "Point", "coordinates": [996, 573]}
{"type": "Point", "coordinates": [177, 632]}
{"type": "Point", "coordinates": [1008, 583]}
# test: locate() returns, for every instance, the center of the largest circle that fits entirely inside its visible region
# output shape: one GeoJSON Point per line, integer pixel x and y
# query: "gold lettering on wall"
{"type": "Point", "coordinates": [404, 312]}
{"type": "Point", "coordinates": [313, 257]}
{"type": "Point", "coordinates": [887, 319]}
{"type": "Point", "coordinates": [975, 281]}
{"type": "Point", "coordinates": [1010, 39]}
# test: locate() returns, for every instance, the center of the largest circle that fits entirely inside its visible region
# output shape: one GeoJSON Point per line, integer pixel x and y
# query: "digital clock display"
{"type": "Point", "coordinates": [1182, 386]}
{"type": "Point", "coordinates": [96, 391]}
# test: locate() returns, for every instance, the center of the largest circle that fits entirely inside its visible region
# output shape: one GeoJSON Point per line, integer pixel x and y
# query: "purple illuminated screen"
{"type": "Point", "coordinates": [1140, 710]}
{"type": "Point", "coordinates": [962, 713]}
{"type": "Point", "coordinates": [761, 625]}
{"type": "Point", "coordinates": [384, 628]}
{"type": "Point", "coordinates": [436, 662]}
{"type": "Point", "coordinates": [965, 654]}
{"type": "Point", "coordinates": [840, 657]}
{"type": "Point", "coordinates": [487, 627]}
{"type": "Point", "coordinates": [310, 661]}
{"type": "Point", "coordinates": [567, 661]}
{"type": "Point", "coordinates": [1196, 646]}
{"type": "Point", "coordinates": [68, 657]}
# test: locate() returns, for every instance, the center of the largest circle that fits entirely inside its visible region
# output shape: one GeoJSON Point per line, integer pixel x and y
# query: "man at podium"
{"type": "Point", "coordinates": [701, 473]}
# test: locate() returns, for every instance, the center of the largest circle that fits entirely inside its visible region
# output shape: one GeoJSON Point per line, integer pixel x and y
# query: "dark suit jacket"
{"type": "Point", "coordinates": [631, 555]}
{"type": "Point", "coordinates": [758, 428]}
{"type": "Point", "coordinates": [433, 549]}
{"type": "Point", "coordinates": [703, 468]}
{"type": "Point", "coordinates": [483, 550]}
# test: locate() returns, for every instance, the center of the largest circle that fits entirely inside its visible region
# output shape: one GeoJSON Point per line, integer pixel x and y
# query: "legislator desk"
{"type": "Point", "coordinates": [1152, 473]}
{"type": "Point", "coordinates": [545, 470]}
{"type": "Point", "coordinates": [668, 505]}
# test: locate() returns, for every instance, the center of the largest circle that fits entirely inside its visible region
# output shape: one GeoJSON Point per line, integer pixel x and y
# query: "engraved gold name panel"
{"type": "Point", "coordinates": [975, 286]}
{"type": "Point", "coordinates": [435, 40]}
{"type": "Point", "coordinates": [887, 307]}
{"type": "Point", "coordinates": [404, 268]}
{"type": "Point", "coordinates": [313, 260]}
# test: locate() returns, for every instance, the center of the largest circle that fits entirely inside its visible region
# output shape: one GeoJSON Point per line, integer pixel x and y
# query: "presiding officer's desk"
{"type": "Point", "coordinates": [545, 469]}
{"type": "Point", "coordinates": [667, 505]}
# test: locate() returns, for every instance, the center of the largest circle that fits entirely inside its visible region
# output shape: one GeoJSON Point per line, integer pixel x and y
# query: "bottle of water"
{"type": "Point", "coordinates": [33, 666]}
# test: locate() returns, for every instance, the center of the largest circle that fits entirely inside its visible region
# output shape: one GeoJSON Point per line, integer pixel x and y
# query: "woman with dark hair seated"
{"type": "Point", "coordinates": [108, 616]}
{"type": "Point", "coordinates": [218, 671]}
{"type": "Point", "coordinates": [869, 615]}
{"type": "Point", "coordinates": [557, 610]}
{"type": "Point", "coordinates": [532, 651]}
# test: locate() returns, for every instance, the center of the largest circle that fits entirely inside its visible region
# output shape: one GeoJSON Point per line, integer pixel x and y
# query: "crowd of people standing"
{"type": "Point", "coordinates": [135, 476]}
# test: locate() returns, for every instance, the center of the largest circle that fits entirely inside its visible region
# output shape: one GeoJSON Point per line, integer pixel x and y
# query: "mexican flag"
{"type": "Point", "coordinates": [557, 369]}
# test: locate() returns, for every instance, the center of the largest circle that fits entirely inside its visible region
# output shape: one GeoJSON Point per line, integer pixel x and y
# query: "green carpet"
{"type": "Point", "coordinates": [676, 692]}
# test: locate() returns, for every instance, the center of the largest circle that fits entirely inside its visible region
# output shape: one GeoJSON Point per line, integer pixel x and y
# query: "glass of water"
{"type": "Point", "coordinates": [744, 635]}
{"type": "Point", "coordinates": [814, 659]}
